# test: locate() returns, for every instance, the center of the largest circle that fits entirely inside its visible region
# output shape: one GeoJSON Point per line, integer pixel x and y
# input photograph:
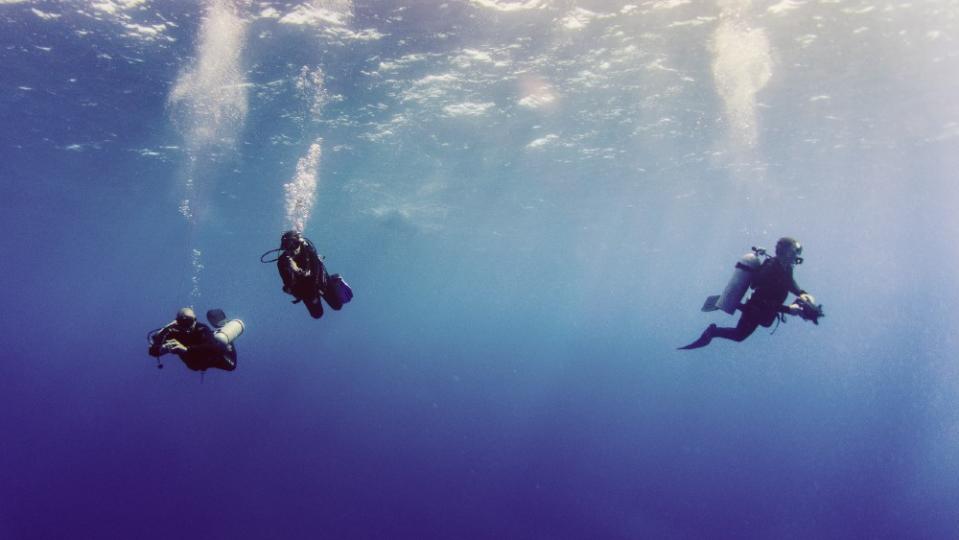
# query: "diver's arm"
{"type": "Point", "coordinates": [794, 287]}
{"type": "Point", "coordinates": [799, 291]}
{"type": "Point", "coordinates": [173, 346]}
{"type": "Point", "coordinates": [214, 347]}
{"type": "Point", "coordinates": [297, 270]}
{"type": "Point", "coordinates": [285, 266]}
{"type": "Point", "coordinates": [156, 350]}
{"type": "Point", "coordinates": [303, 260]}
{"type": "Point", "coordinates": [795, 308]}
{"type": "Point", "coordinates": [308, 259]}
{"type": "Point", "coordinates": [294, 264]}
{"type": "Point", "coordinates": [206, 345]}
{"type": "Point", "coordinates": [158, 340]}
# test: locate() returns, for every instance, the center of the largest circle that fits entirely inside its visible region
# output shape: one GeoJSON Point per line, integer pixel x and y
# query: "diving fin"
{"type": "Point", "coordinates": [216, 317]}
{"type": "Point", "coordinates": [710, 303]}
{"type": "Point", "coordinates": [703, 340]}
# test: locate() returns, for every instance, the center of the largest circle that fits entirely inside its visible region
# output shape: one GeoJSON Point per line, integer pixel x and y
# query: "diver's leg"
{"type": "Point", "coordinates": [314, 306]}
{"type": "Point", "coordinates": [746, 326]}
{"type": "Point", "coordinates": [304, 292]}
{"type": "Point", "coordinates": [286, 274]}
{"type": "Point", "coordinates": [203, 356]}
{"type": "Point", "coordinates": [226, 361]}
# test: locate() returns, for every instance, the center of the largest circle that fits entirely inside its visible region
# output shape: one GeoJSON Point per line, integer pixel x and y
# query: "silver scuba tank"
{"type": "Point", "coordinates": [739, 283]}
{"type": "Point", "coordinates": [229, 331]}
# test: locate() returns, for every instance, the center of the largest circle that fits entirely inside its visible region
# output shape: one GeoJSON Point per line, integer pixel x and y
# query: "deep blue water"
{"type": "Point", "coordinates": [531, 199]}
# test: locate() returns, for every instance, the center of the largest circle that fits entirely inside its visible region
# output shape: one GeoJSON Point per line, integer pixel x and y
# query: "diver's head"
{"type": "Point", "coordinates": [289, 240]}
{"type": "Point", "coordinates": [185, 319]}
{"type": "Point", "coordinates": [788, 250]}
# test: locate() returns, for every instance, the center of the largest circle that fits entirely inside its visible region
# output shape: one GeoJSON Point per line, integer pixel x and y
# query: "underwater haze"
{"type": "Point", "coordinates": [530, 199]}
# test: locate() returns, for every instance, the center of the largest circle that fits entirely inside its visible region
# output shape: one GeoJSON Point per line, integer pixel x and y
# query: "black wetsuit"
{"type": "Point", "coordinates": [309, 288]}
{"type": "Point", "coordinates": [772, 284]}
{"type": "Point", "coordinates": [203, 351]}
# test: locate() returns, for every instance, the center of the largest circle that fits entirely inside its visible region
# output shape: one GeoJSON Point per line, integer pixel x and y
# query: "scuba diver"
{"type": "Point", "coordinates": [199, 347]}
{"type": "Point", "coordinates": [304, 275]}
{"type": "Point", "coordinates": [772, 281]}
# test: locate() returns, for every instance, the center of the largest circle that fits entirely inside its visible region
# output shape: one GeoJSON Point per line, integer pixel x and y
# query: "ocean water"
{"type": "Point", "coordinates": [530, 199]}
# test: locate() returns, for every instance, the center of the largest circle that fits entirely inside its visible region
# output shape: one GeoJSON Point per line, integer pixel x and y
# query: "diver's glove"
{"type": "Point", "coordinates": [173, 346]}
{"type": "Point", "coordinates": [807, 308]}
{"type": "Point", "coordinates": [804, 299]}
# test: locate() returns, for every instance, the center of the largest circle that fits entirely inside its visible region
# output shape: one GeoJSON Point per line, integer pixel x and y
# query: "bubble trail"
{"type": "Point", "coordinates": [742, 66]}
{"type": "Point", "coordinates": [301, 190]}
{"type": "Point", "coordinates": [208, 106]}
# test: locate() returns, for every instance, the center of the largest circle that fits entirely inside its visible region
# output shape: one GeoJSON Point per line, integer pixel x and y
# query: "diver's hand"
{"type": "Point", "coordinates": [173, 346]}
{"type": "Point", "coordinates": [805, 297]}
{"type": "Point", "coordinates": [794, 309]}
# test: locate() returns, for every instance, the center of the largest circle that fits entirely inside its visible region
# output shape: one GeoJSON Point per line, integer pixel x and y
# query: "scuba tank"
{"type": "Point", "coordinates": [738, 283]}
{"type": "Point", "coordinates": [228, 331]}
{"type": "Point", "coordinates": [225, 333]}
